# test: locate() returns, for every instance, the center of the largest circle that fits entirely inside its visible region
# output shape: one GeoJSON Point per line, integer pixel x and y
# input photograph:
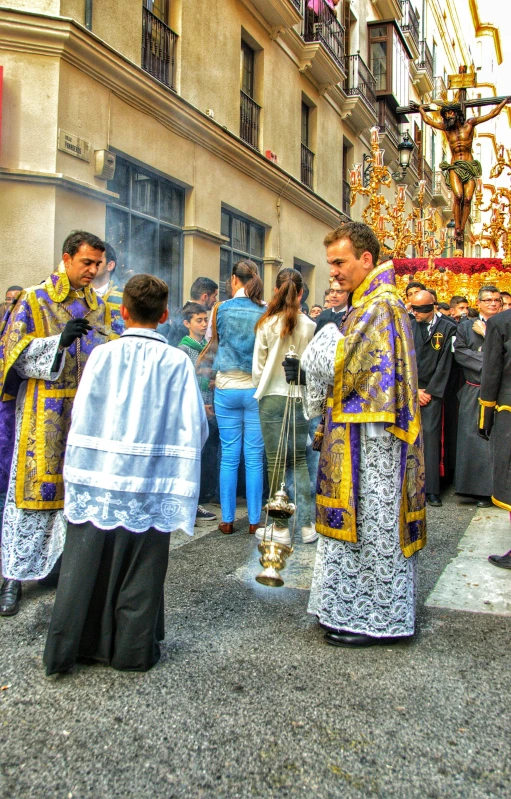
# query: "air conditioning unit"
{"type": "Point", "coordinates": [104, 164]}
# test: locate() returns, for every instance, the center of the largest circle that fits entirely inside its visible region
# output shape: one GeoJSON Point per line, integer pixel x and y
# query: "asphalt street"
{"type": "Point", "coordinates": [249, 701]}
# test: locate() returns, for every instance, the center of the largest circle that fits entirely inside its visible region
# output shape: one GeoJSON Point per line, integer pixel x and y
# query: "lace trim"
{"type": "Point", "coordinates": [32, 541]}
{"type": "Point", "coordinates": [135, 512]}
{"type": "Point", "coordinates": [369, 587]}
{"type": "Point", "coordinates": [318, 363]}
{"type": "Point", "coordinates": [37, 359]}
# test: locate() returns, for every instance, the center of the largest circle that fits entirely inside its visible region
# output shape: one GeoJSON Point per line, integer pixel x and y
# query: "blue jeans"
{"type": "Point", "coordinates": [237, 413]}
{"type": "Point", "coordinates": [313, 462]}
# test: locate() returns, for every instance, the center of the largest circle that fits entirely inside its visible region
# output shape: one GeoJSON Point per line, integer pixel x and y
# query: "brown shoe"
{"type": "Point", "coordinates": [253, 527]}
{"type": "Point", "coordinates": [226, 527]}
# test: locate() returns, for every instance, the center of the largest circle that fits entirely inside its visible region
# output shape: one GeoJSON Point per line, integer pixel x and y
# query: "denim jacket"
{"type": "Point", "coordinates": [235, 323]}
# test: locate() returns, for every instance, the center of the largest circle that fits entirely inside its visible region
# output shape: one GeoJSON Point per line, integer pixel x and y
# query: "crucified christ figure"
{"type": "Point", "coordinates": [461, 174]}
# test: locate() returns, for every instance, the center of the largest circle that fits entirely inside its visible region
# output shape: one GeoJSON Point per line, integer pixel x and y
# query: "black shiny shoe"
{"type": "Point", "coordinates": [10, 597]}
{"type": "Point", "coordinates": [502, 561]}
{"type": "Point", "coordinates": [484, 502]}
{"type": "Point", "coordinates": [353, 640]}
{"type": "Point", "coordinates": [434, 500]}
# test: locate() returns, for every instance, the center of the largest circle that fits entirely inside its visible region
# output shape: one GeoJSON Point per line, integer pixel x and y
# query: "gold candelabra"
{"type": "Point", "coordinates": [392, 223]}
{"type": "Point", "coordinates": [499, 227]}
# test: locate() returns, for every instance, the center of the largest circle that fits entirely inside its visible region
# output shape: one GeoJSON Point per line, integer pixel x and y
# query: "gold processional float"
{"type": "Point", "coordinates": [398, 230]}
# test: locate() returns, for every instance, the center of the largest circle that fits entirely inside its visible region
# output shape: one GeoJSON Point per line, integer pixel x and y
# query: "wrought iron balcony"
{"type": "Point", "coordinates": [388, 124]}
{"type": "Point", "coordinates": [410, 24]}
{"type": "Point", "coordinates": [307, 166]}
{"type": "Point", "coordinates": [249, 120]}
{"type": "Point", "coordinates": [439, 90]}
{"type": "Point", "coordinates": [427, 175]}
{"type": "Point", "coordinates": [424, 69]}
{"type": "Point", "coordinates": [297, 4]}
{"type": "Point", "coordinates": [158, 48]}
{"type": "Point", "coordinates": [321, 25]}
{"type": "Point", "coordinates": [441, 194]}
{"type": "Point", "coordinates": [359, 81]}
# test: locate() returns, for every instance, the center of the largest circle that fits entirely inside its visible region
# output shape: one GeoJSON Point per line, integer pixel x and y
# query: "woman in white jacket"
{"type": "Point", "coordinates": [283, 325]}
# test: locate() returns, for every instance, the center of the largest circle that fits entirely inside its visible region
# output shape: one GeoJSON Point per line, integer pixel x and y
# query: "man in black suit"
{"type": "Point", "coordinates": [473, 475]}
{"type": "Point", "coordinates": [338, 307]}
{"type": "Point", "coordinates": [495, 401]}
{"type": "Point", "coordinates": [432, 334]}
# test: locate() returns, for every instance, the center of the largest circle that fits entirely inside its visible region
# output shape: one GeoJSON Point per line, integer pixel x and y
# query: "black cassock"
{"type": "Point", "coordinates": [495, 402]}
{"type": "Point", "coordinates": [109, 602]}
{"type": "Point", "coordinates": [434, 359]}
{"type": "Point", "coordinates": [473, 454]}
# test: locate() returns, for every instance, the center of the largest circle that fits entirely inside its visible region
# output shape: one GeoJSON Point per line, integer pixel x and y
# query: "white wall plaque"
{"type": "Point", "coordinates": [72, 145]}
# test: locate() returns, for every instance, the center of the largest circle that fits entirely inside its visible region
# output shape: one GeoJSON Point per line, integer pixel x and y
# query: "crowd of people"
{"type": "Point", "coordinates": [395, 397]}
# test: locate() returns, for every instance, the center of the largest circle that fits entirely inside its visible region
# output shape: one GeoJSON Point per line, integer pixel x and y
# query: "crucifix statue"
{"type": "Point", "coordinates": [461, 174]}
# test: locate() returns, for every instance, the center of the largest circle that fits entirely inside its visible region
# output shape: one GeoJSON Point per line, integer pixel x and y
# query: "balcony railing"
{"type": "Point", "coordinates": [158, 48]}
{"type": "Point", "coordinates": [346, 196]}
{"type": "Point", "coordinates": [307, 166]}
{"type": "Point", "coordinates": [359, 81]}
{"type": "Point", "coordinates": [249, 120]}
{"type": "Point", "coordinates": [440, 190]}
{"type": "Point", "coordinates": [439, 89]}
{"type": "Point", "coordinates": [425, 58]}
{"type": "Point", "coordinates": [321, 25]}
{"type": "Point", "coordinates": [410, 21]}
{"type": "Point", "coordinates": [388, 123]}
{"type": "Point", "coordinates": [427, 175]}
{"type": "Point", "coordinates": [297, 4]}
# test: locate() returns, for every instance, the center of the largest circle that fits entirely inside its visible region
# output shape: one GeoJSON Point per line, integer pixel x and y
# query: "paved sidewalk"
{"type": "Point", "coordinates": [470, 582]}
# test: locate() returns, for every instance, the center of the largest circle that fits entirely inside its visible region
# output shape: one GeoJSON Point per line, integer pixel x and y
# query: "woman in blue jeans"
{"type": "Point", "coordinates": [236, 409]}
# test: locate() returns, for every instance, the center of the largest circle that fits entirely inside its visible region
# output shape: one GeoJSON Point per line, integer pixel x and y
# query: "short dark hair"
{"type": "Point", "coordinates": [145, 298]}
{"type": "Point", "coordinates": [444, 306]}
{"type": "Point", "coordinates": [203, 285]}
{"type": "Point", "coordinates": [361, 236]}
{"type": "Point", "coordinates": [14, 288]}
{"type": "Point", "coordinates": [490, 288]}
{"type": "Point", "coordinates": [110, 254]}
{"type": "Point", "coordinates": [316, 306]}
{"type": "Point", "coordinates": [502, 293]}
{"type": "Point", "coordinates": [78, 237]}
{"type": "Point", "coordinates": [191, 309]}
{"type": "Point", "coordinates": [456, 299]}
{"type": "Point", "coordinates": [414, 284]}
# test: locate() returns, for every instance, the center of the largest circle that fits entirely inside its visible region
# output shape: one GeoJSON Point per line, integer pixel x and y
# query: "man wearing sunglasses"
{"type": "Point", "coordinates": [432, 335]}
{"type": "Point", "coordinates": [473, 477]}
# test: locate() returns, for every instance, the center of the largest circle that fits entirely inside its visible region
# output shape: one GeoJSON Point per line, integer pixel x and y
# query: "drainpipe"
{"type": "Point", "coordinates": [88, 14]}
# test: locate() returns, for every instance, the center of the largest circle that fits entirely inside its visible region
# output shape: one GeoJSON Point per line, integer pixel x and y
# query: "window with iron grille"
{"type": "Point", "coordinates": [145, 226]}
{"type": "Point", "coordinates": [249, 109]}
{"type": "Point", "coordinates": [246, 240]}
{"type": "Point", "coordinates": [159, 42]}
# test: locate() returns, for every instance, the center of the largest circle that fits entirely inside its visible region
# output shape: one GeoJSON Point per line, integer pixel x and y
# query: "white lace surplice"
{"type": "Point", "coordinates": [32, 540]}
{"type": "Point", "coordinates": [368, 587]}
{"type": "Point", "coordinates": [138, 427]}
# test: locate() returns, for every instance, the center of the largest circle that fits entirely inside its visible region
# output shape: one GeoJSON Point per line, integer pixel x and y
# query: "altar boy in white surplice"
{"type": "Point", "coordinates": [132, 476]}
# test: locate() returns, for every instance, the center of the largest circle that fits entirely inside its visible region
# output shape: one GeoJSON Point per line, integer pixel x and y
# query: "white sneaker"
{"type": "Point", "coordinates": [280, 534]}
{"type": "Point", "coordinates": [309, 535]}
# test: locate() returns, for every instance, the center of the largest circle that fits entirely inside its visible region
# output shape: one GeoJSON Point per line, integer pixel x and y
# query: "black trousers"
{"type": "Point", "coordinates": [109, 601]}
{"type": "Point", "coordinates": [431, 415]}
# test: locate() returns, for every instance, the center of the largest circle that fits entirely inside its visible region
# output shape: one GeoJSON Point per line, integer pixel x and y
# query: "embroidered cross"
{"type": "Point", "coordinates": [107, 501]}
{"type": "Point", "coordinates": [436, 340]}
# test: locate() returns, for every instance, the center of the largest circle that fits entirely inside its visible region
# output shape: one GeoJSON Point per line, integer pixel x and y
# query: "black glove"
{"type": "Point", "coordinates": [73, 330]}
{"type": "Point", "coordinates": [484, 434]}
{"type": "Point", "coordinates": [293, 371]}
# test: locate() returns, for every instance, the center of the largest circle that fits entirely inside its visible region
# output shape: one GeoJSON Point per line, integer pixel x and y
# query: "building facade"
{"type": "Point", "coordinates": [234, 126]}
